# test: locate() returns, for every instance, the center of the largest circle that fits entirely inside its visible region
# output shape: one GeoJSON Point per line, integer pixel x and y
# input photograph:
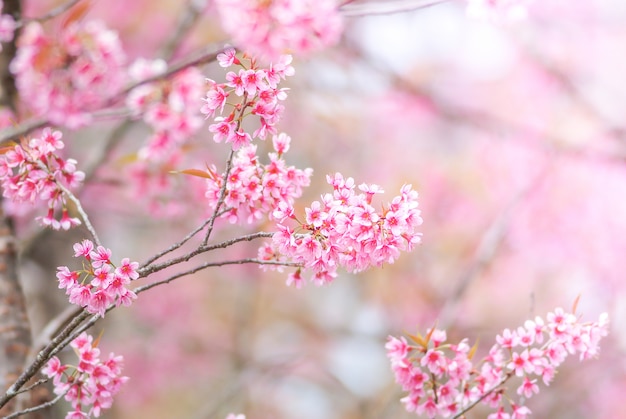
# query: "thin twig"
{"type": "Point", "coordinates": [82, 213]}
{"type": "Point", "coordinates": [386, 8]}
{"type": "Point", "coordinates": [42, 357]}
{"type": "Point", "coordinates": [222, 197]}
{"type": "Point", "coordinates": [32, 386]}
{"type": "Point", "coordinates": [38, 407]}
{"type": "Point", "coordinates": [214, 264]}
{"type": "Point", "coordinates": [147, 270]}
{"type": "Point", "coordinates": [51, 14]}
{"type": "Point", "coordinates": [203, 57]}
{"type": "Point", "coordinates": [189, 18]}
{"type": "Point", "coordinates": [481, 398]}
{"type": "Point", "coordinates": [177, 245]}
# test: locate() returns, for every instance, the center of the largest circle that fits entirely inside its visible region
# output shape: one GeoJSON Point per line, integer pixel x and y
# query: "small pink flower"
{"type": "Point", "coordinates": [128, 269]}
{"type": "Point", "coordinates": [83, 249]}
{"type": "Point", "coordinates": [228, 57]}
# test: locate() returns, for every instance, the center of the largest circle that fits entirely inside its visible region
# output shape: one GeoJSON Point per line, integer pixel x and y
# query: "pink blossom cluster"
{"type": "Point", "coordinates": [33, 171]}
{"type": "Point", "coordinates": [66, 75]}
{"type": "Point", "coordinates": [170, 106]}
{"type": "Point", "coordinates": [99, 283]}
{"type": "Point", "coordinates": [274, 27]}
{"type": "Point", "coordinates": [254, 189]}
{"type": "Point", "coordinates": [345, 229]}
{"type": "Point", "coordinates": [498, 10]}
{"type": "Point", "coordinates": [234, 416]}
{"type": "Point", "coordinates": [442, 379]}
{"type": "Point", "coordinates": [257, 95]}
{"type": "Point", "coordinates": [90, 385]}
{"type": "Point", "coordinates": [7, 26]}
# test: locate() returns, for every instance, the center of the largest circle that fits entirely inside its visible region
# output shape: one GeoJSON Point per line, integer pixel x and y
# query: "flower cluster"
{"type": "Point", "coordinates": [234, 416]}
{"type": "Point", "coordinates": [99, 283]}
{"type": "Point", "coordinates": [344, 229]}
{"type": "Point", "coordinates": [170, 106]}
{"type": "Point", "coordinates": [66, 75]}
{"type": "Point", "coordinates": [270, 28]}
{"type": "Point", "coordinates": [498, 10]}
{"type": "Point", "coordinates": [442, 380]}
{"type": "Point", "coordinates": [259, 95]}
{"type": "Point", "coordinates": [92, 383]}
{"type": "Point", "coordinates": [254, 189]}
{"type": "Point", "coordinates": [33, 171]}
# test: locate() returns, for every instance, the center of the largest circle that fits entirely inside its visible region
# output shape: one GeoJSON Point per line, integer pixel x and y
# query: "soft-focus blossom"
{"type": "Point", "coordinates": [498, 10]}
{"type": "Point", "coordinates": [271, 28]}
{"type": "Point", "coordinates": [64, 76]}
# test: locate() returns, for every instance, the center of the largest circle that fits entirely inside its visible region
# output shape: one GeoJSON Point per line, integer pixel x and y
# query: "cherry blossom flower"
{"type": "Point", "coordinates": [33, 171]}
{"type": "Point", "coordinates": [90, 386]}
{"type": "Point", "coordinates": [442, 378]}
{"type": "Point", "coordinates": [99, 283]}
{"type": "Point", "coordinates": [343, 229]}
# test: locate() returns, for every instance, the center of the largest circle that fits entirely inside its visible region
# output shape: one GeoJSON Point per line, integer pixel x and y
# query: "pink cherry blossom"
{"type": "Point", "coordinates": [442, 379]}
{"type": "Point", "coordinates": [91, 385]}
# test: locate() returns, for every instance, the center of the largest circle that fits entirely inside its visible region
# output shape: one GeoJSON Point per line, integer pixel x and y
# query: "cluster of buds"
{"type": "Point", "coordinates": [91, 384]}
{"type": "Point", "coordinates": [442, 380]}
{"type": "Point", "coordinates": [258, 93]}
{"type": "Point", "coordinates": [99, 283]}
{"type": "Point", "coordinates": [344, 229]}
{"type": "Point", "coordinates": [33, 171]}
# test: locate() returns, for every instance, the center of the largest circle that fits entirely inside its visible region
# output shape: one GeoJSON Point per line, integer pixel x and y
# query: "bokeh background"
{"type": "Point", "coordinates": [514, 134]}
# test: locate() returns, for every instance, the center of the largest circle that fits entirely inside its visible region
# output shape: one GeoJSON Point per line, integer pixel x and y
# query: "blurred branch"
{"type": "Point", "coordinates": [214, 264]}
{"type": "Point", "coordinates": [186, 21]}
{"type": "Point", "coordinates": [59, 10]}
{"type": "Point", "coordinates": [52, 348]}
{"type": "Point", "coordinates": [202, 57]}
{"type": "Point", "coordinates": [352, 9]}
{"type": "Point", "coordinates": [478, 118]}
{"type": "Point", "coordinates": [38, 407]}
{"type": "Point", "coordinates": [486, 251]}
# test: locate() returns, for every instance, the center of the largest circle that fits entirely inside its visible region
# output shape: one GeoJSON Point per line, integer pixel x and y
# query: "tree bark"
{"type": "Point", "coordinates": [15, 334]}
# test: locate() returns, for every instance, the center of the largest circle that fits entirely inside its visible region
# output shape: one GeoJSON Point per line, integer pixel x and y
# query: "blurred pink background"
{"type": "Point", "coordinates": [514, 136]}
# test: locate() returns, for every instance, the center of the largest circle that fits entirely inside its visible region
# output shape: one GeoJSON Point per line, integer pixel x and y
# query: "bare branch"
{"type": "Point", "coordinates": [350, 9]}
{"type": "Point", "coordinates": [147, 270]}
{"type": "Point", "coordinates": [59, 10]}
{"type": "Point", "coordinates": [38, 407]}
{"type": "Point", "coordinates": [214, 264]}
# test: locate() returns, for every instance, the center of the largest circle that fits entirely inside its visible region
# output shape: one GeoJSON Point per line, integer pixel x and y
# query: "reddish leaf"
{"type": "Point", "coordinates": [76, 13]}
{"type": "Point", "coordinates": [194, 172]}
